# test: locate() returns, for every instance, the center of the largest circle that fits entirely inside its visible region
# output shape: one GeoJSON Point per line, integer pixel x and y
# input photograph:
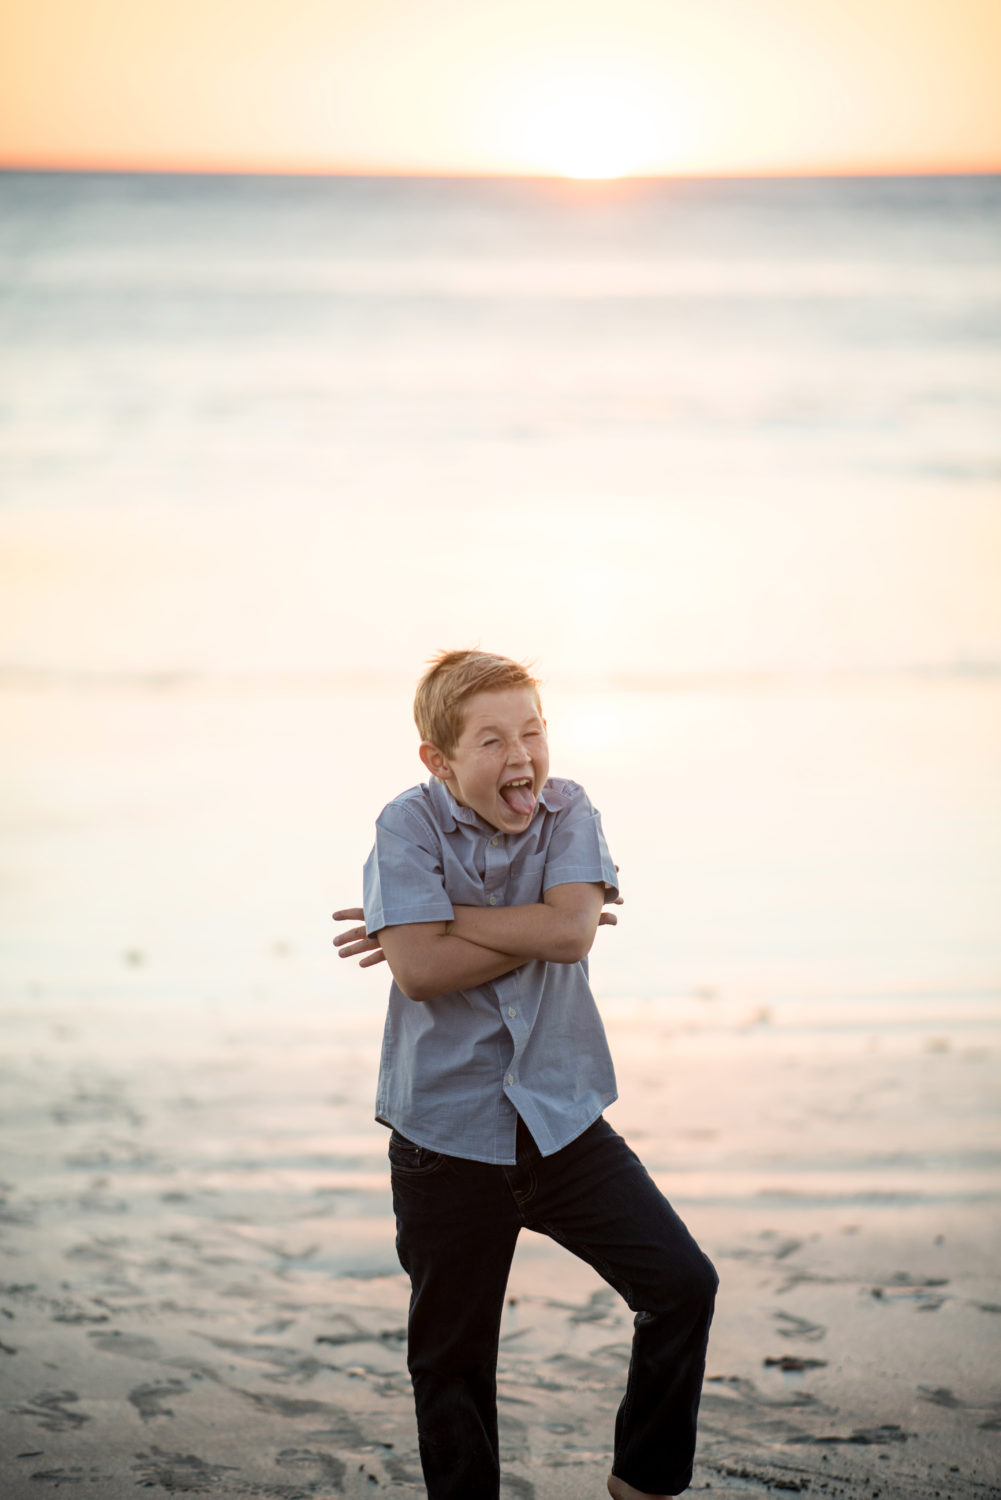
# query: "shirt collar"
{"type": "Point", "coordinates": [450, 812]}
{"type": "Point", "coordinates": [551, 798]}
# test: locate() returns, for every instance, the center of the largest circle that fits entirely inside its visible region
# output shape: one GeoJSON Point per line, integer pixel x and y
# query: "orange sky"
{"type": "Point", "coordinates": [649, 86]}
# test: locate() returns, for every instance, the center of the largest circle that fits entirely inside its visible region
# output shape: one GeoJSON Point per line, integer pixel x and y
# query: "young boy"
{"type": "Point", "coordinates": [483, 892]}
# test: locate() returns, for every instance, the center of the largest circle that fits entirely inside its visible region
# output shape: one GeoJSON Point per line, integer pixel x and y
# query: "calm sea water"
{"type": "Point", "coordinates": [724, 458]}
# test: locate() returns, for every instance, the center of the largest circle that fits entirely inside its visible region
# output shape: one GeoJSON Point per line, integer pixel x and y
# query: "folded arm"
{"type": "Point", "coordinates": [427, 960]}
{"type": "Point", "coordinates": [560, 928]}
{"type": "Point", "coordinates": [481, 942]}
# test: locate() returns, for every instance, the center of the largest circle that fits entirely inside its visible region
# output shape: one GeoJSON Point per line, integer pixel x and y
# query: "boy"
{"type": "Point", "coordinates": [483, 892]}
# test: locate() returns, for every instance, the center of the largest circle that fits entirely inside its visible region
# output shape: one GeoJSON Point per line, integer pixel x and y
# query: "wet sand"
{"type": "Point", "coordinates": [199, 1292]}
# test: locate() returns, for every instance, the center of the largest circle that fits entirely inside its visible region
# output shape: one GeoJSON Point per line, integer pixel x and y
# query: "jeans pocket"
{"type": "Point", "coordinates": [409, 1160]}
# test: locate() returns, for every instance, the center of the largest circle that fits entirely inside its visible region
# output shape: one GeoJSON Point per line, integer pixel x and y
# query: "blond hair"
{"type": "Point", "coordinates": [451, 679]}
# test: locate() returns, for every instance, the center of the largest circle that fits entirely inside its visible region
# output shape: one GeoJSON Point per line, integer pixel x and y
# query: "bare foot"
{"type": "Point", "coordinates": [619, 1490]}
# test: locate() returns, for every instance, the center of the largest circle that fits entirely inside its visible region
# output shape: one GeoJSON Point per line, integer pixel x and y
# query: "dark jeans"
{"type": "Point", "coordinates": [457, 1223]}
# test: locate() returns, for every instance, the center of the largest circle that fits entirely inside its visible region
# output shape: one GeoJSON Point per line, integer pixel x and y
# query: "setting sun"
{"type": "Point", "coordinates": [586, 119]}
{"type": "Point", "coordinates": [586, 122]}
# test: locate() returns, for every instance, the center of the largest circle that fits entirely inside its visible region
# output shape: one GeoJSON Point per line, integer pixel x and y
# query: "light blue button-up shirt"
{"type": "Point", "coordinates": [457, 1071]}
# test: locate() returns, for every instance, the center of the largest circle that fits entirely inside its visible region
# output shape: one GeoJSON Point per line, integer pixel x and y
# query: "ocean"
{"type": "Point", "coordinates": [723, 458]}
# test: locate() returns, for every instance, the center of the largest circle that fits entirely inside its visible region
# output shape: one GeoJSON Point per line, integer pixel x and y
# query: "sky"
{"type": "Point", "coordinates": [572, 87]}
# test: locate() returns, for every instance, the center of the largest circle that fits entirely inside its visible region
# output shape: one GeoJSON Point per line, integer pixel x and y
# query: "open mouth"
{"type": "Point", "coordinates": [519, 796]}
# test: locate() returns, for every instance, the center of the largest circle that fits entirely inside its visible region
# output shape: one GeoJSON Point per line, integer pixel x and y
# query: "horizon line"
{"type": "Point", "coordinates": [125, 168]}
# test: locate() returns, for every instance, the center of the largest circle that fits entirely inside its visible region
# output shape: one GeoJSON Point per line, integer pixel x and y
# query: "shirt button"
{"type": "Point", "coordinates": [495, 842]}
{"type": "Point", "coordinates": [493, 900]}
{"type": "Point", "coordinates": [511, 1012]}
{"type": "Point", "coordinates": [509, 1079]}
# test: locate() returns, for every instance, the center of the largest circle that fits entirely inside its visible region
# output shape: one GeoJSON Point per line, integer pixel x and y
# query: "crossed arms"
{"type": "Point", "coordinates": [481, 942]}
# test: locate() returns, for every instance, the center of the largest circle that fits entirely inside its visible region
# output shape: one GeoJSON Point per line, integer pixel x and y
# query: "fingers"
{"type": "Point", "coordinates": [608, 919]}
{"type": "Point", "coordinates": [353, 935]}
{"type": "Point", "coordinates": [347, 949]}
{"type": "Point", "coordinates": [356, 940]}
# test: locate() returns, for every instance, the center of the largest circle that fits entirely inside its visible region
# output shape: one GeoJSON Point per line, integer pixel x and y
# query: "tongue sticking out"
{"type": "Point", "coordinates": [519, 799]}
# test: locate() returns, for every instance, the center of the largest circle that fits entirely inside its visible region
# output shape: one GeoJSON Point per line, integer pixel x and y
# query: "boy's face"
{"type": "Point", "coordinates": [501, 761]}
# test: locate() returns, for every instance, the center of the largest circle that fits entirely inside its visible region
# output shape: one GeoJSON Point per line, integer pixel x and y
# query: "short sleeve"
{"type": "Point", "coordinates": [577, 849]}
{"type": "Point", "coordinates": [404, 880]}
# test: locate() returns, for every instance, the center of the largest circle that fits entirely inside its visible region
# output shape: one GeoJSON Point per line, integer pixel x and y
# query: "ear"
{"type": "Point", "coordinates": [434, 761]}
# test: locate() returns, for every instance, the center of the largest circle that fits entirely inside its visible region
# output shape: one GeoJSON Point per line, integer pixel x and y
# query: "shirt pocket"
{"type": "Point", "coordinates": [525, 880]}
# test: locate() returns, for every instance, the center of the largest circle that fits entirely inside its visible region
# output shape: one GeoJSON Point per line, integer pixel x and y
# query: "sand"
{"type": "Point", "coordinates": [199, 1292]}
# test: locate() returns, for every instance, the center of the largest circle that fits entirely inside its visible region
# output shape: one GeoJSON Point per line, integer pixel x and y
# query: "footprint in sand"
{"type": "Point", "coordinates": [600, 1306]}
{"type": "Point", "coordinates": [67, 1312]}
{"type": "Point", "coordinates": [748, 1391]}
{"type": "Point", "coordinates": [799, 1328]}
{"type": "Point", "coordinates": [779, 1248]}
{"type": "Point", "coordinates": [940, 1395]}
{"type": "Point", "coordinates": [515, 1488]}
{"type": "Point", "coordinates": [861, 1437]}
{"type": "Point", "coordinates": [321, 1466]}
{"type": "Point", "coordinates": [49, 1410]}
{"type": "Point", "coordinates": [919, 1291]}
{"type": "Point", "coordinates": [75, 1475]}
{"type": "Point", "coordinates": [134, 1345]}
{"type": "Point", "coordinates": [288, 1406]}
{"type": "Point", "coordinates": [148, 1400]}
{"type": "Point", "coordinates": [179, 1471]}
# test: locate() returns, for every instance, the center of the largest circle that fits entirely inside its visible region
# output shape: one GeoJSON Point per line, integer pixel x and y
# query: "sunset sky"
{"type": "Point", "coordinates": [499, 86]}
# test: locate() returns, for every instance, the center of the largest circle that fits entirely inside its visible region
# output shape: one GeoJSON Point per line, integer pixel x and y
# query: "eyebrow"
{"type": "Point", "coordinates": [495, 729]}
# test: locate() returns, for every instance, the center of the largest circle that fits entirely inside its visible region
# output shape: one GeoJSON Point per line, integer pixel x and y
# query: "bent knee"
{"type": "Point", "coordinates": [693, 1284]}
{"type": "Point", "coordinates": [710, 1278]}
{"type": "Point", "coordinates": [700, 1280]}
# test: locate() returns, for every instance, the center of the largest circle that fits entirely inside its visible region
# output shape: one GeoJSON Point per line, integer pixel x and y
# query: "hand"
{"type": "Point", "coordinates": [356, 940]}
{"type": "Point", "coordinates": [608, 918]}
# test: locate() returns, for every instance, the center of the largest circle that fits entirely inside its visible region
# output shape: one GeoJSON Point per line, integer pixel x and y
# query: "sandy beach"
{"type": "Point", "coordinates": [200, 1293]}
